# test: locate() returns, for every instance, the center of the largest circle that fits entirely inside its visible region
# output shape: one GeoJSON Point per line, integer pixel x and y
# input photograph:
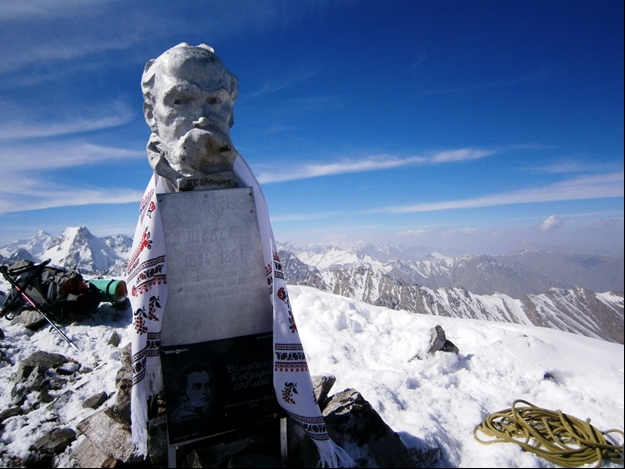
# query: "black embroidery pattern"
{"type": "Point", "coordinates": [288, 391]}
{"type": "Point", "coordinates": [290, 358]}
{"type": "Point", "coordinates": [138, 366]}
{"type": "Point", "coordinates": [314, 426]}
{"type": "Point", "coordinates": [277, 266]}
{"type": "Point", "coordinates": [153, 345]}
{"type": "Point", "coordinates": [284, 296]}
{"type": "Point", "coordinates": [147, 269]}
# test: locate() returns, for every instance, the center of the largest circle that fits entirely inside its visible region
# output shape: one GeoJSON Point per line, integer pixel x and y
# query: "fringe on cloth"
{"type": "Point", "coordinates": [332, 455]}
{"type": "Point", "coordinates": [148, 294]}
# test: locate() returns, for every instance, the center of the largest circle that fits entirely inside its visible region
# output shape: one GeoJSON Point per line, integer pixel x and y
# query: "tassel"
{"type": "Point", "coordinates": [139, 420]}
{"type": "Point", "coordinates": [332, 455]}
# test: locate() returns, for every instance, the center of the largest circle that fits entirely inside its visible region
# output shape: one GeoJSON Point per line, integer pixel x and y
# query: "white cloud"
{"type": "Point", "coordinates": [604, 224]}
{"type": "Point", "coordinates": [36, 194]}
{"type": "Point", "coordinates": [24, 184]}
{"type": "Point", "coordinates": [27, 130]}
{"type": "Point", "coordinates": [373, 163]}
{"type": "Point", "coordinates": [27, 159]}
{"type": "Point", "coordinates": [590, 187]}
{"type": "Point", "coordinates": [551, 223]}
{"type": "Point", "coordinates": [268, 88]}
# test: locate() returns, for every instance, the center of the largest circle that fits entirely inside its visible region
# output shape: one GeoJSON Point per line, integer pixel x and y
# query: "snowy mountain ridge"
{"type": "Point", "coordinates": [75, 247]}
{"type": "Point", "coordinates": [503, 288]}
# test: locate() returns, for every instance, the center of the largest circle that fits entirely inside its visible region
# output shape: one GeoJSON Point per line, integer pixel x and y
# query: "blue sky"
{"type": "Point", "coordinates": [465, 126]}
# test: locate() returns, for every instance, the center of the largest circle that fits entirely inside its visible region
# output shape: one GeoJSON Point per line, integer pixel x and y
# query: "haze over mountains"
{"type": "Point", "coordinates": [580, 293]}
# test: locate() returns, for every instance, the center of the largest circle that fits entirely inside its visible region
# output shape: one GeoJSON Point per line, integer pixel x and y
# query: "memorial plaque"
{"type": "Point", "coordinates": [217, 386]}
{"type": "Point", "coordinates": [217, 333]}
{"type": "Point", "coordinates": [216, 281]}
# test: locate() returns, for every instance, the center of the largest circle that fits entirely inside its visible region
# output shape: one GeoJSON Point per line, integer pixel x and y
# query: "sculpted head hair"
{"type": "Point", "coordinates": [188, 99]}
{"type": "Point", "coordinates": [181, 60]}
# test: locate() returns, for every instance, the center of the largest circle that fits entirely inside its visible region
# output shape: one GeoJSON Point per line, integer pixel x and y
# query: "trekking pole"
{"type": "Point", "coordinates": [6, 275]}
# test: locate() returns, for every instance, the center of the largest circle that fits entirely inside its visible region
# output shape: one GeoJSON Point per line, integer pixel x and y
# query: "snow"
{"type": "Point", "coordinates": [429, 400]}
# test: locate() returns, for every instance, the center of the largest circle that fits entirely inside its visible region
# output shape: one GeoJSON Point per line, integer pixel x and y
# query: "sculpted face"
{"type": "Point", "coordinates": [188, 104]}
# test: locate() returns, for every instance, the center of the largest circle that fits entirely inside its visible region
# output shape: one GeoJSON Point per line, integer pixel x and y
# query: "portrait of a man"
{"type": "Point", "coordinates": [193, 387]}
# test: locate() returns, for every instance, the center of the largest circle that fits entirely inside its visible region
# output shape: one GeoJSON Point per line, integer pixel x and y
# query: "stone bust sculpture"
{"type": "Point", "coordinates": [188, 100]}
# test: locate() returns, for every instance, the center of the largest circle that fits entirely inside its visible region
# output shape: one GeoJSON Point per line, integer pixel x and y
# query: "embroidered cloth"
{"type": "Point", "coordinates": [147, 283]}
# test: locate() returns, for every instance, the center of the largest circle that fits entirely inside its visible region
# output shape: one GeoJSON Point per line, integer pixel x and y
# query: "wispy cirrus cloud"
{"type": "Point", "coordinates": [25, 182]}
{"type": "Point", "coordinates": [28, 158]}
{"type": "Point", "coordinates": [583, 188]}
{"type": "Point", "coordinates": [270, 88]}
{"type": "Point", "coordinates": [19, 131]}
{"type": "Point", "coordinates": [18, 122]}
{"type": "Point", "coordinates": [570, 166]}
{"type": "Point", "coordinates": [39, 194]}
{"type": "Point", "coordinates": [373, 163]}
{"type": "Point", "coordinates": [490, 85]}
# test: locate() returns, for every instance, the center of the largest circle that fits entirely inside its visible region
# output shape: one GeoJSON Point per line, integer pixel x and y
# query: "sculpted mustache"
{"type": "Point", "coordinates": [203, 124]}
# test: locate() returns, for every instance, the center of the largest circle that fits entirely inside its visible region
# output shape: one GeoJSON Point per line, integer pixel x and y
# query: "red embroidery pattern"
{"type": "Point", "coordinates": [141, 288]}
{"type": "Point", "coordinates": [145, 242]}
{"type": "Point", "coordinates": [144, 205]}
{"type": "Point", "coordinates": [292, 367]}
{"type": "Point", "coordinates": [140, 317]}
{"type": "Point", "coordinates": [152, 267]}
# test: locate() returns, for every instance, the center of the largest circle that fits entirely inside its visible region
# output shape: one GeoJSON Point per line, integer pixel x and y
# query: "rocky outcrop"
{"type": "Point", "coordinates": [103, 438]}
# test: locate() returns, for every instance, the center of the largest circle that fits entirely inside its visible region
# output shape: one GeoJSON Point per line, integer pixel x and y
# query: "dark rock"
{"type": "Point", "coordinates": [254, 460]}
{"type": "Point", "coordinates": [95, 401]}
{"type": "Point", "coordinates": [1, 334]}
{"type": "Point", "coordinates": [122, 401]}
{"type": "Point", "coordinates": [125, 358]}
{"type": "Point", "coordinates": [36, 379]}
{"type": "Point", "coordinates": [425, 457]}
{"type": "Point", "coordinates": [54, 442]}
{"type": "Point", "coordinates": [109, 434]}
{"type": "Point", "coordinates": [114, 339]}
{"type": "Point", "coordinates": [321, 388]}
{"type": "Point", "coordinates": [214, 456]}
{"type": "Point", "coordinates": [89, 455]}
{"type": "Point", "coordinates": [60, 401]}
{"type": "Point", "coordinates": [30, 319]}
{"type": "Point", "coordinates": [355, 426]}
{"type": "Point", "coordinates": [157, 441]}
{"type": "Point", "coordinates": [449, 346]}
{"type": "Point", "coordinates": [439, 342]}
{"type": "Point", "coordinates": [123, 374]}
{"type": "Point", "coordinates": [35, 459]}
{"type": "Point", "coordinates": [22, 373]}
{"type": "Point", "coordinates": [10, 412]}
{"type": "Point", "coordinates": [45, 359]}
{"type": "Point", "coordinates": [57, 383]}
{"type": "Point", "coordinates": [302, 451]}
{"type": "Point", "coordinates": [45, 397]}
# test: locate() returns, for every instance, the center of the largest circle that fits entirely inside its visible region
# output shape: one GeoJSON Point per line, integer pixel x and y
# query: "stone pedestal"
{"type": "Point", "coordinates": [217, 331]}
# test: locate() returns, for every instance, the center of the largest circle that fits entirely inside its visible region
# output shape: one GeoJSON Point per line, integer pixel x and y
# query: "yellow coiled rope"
{"type": "Point", "coordinates": [557, 437]}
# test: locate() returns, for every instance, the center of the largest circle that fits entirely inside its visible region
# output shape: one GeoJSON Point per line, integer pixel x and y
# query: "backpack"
{"type": "Point", "coordinates": [57, 292]}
